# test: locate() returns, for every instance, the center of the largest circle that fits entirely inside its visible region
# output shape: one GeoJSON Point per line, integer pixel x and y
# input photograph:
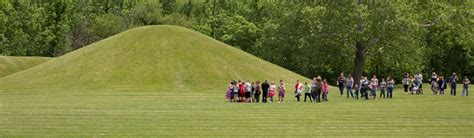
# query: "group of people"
{"type": "Point", "coordinates": [318, 89]}
{"type": "Point", "coordinates": [367, 88]}
{"type": "Point", "coordinates": [439, 84]}
{"type": "Point", "coordinates": [250, 91]}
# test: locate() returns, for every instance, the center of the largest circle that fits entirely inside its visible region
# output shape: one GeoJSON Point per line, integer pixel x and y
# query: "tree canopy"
{"type": "Point", "coordinates": [308, 37]}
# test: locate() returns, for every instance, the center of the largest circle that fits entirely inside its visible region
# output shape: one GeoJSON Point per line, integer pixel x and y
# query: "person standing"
{"type": "Point", "coordinates": [452, 81]}
{"type": "Point", "coordinates": [265, 87]}
{"type": "Point", "coordinates": [281, 91]}
{"type": "Point", "coordinates": [390, 84]}
{"type": "Point", "coordinates": [405, 82]}
{"type": "Point", "coordinates": [325, 90]}
{"type": "Point", "coordinates": [374, 82]}
{"type": "Point", "coordinates": [235, 92]}
{"type": "Point", "coordinates": [248, 90]}
{"type": "Point", "coordinates": [272, 91]}
{"type": "Point", "coordinates": [340, 82]}
{"type": "Point", "coordinates": [383, 84]}
{"type": "Point", "coordinates": [257, 91]}
{"type": "Point", "coordinates": [433, 82]}
{"type": "Point", "coordinates": [313, 88]}
{"type": "Point", "coordinates": [318, 89]}
{"type": "Point", "coordinates": [364, 86]}
{"type": "Point", "coordinates": [349, 84]}
{"type": "Point", "coordinates": [465, 83]}
{"type": "Point", "coordinates": [229, 92]}
{"type": "Point", "coordinates": [307, 92]}
{"type": "Point", "coordinates": [298, 89]}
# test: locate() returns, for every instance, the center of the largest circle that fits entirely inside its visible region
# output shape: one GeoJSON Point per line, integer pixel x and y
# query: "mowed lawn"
{"type": "Point", "coordinates": [205, 114]}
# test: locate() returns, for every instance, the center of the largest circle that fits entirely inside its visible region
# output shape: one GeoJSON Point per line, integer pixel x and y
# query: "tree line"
{"type": "Point", "coordinates": [316, 37]}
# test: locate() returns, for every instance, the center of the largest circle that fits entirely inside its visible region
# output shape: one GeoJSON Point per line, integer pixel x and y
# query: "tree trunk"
{"type": "Point", "coordinates": [360, 49]}
{"type": "Point", "coordinates": [358, 62]}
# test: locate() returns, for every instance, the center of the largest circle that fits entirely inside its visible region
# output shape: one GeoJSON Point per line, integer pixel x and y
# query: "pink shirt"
{"type": "Point", "coordinates": [325, 87]}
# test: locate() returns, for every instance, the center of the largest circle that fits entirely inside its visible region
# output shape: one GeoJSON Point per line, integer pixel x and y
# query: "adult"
{"type": "Point", "coordinates": [235, 92]}
{"type": "Point", "coordinates": [465, 83]}
{"type": "Point", "coordinates": [281, 91]}
{"type": "Point", "coordinates": [434, 82]}
{"type": "Point", "coordinates": [419, 82]}
{"type": "Point", "coordinates": [313, 88]}
{"type": "Point", "coordinates": [405, 82]}
{"type": "Point", "coordinates": [257, 91]}
{"type": "Point", "coordinates": [248, 90]}
{"type": "Point", "coordinates": [298, 89]}
{"type": "Point", "coordinates": [319, 87]}
{"type": "Point", "coordinates": [364, 86]}
{"type": "Point", "coordinates": [441, 85]}
{"type": "Point", "coordinates": [265, 87]}
{"type": "Point", "coordinates": [349, 85]}
{"type": "Point", "coordinates": [452, 81]}
{"type": "Point", "coordinates": [374, 82]}
{"type": "Point", "coordinates": [390, 84]}
{"type": "Point", "coordinates": [307, 92]}
{"type": "Point", "coordinates": [340, 82]}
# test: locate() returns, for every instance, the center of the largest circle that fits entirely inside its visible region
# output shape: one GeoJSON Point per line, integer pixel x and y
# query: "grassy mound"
{"type": "Point", "coordinates": [10, 65]}
{"type": "Point", "coordinates": [151, 58]}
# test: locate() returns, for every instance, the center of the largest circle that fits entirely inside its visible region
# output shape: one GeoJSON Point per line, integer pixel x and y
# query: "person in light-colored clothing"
{"type": "Point", "coordinates": [349, 85]}
{"type": "Point", "coordinates": [465, 83]}
{"type": "Point", "coordinates": [307, 92]}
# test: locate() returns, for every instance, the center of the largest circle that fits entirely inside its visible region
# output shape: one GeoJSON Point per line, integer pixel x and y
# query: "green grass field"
{"type": "Point", "coordinates": [207, 114]}
{"type": "Point", "coordinates": [169, 81]}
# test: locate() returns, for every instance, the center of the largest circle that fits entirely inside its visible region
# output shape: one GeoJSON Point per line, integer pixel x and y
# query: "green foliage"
{"type": "Point", "coordinates": [308, 37]}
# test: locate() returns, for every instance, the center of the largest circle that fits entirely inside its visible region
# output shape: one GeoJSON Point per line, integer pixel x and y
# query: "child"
{"type": "Point", "coordinates": [325, 90]}
{"type": "Point", "coordinates": [356, 93]}
{"type": "Point", "coordinates": [272, 91]}
{"type": "Point", "coordinates": [465, 83]}
{"type": "Point", "coordinates": [382, 88]}
{"type": "Point", "coordinates": [281, 91]}
{"type": "Point", "coordinates": [242, 92]}
{"type": "Point", "coordinates": [307, 91]}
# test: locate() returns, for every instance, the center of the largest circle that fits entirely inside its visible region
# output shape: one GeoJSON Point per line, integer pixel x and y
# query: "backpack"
{"type": "Point", "coordinates": [365, 85]}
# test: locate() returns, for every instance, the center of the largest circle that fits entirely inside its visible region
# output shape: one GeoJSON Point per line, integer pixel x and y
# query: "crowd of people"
{"type": "Point", "coordinates": [318, 89]}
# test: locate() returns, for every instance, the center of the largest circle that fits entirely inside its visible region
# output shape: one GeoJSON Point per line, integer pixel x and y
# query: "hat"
{"type": "Point", "coordinates": [318, 78]}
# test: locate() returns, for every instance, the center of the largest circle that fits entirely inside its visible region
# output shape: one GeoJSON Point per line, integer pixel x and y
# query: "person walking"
{"type": "Point", "coordinates": [390, 84]}
{"type": "Point", "coordinates": [340, 82]}
{"type": "Point", "coordinates": [281, 91]}
{"type": "Point", "coordinates": [325, 90]}
{"type": "Point", "coordinates": [465, 83]}
{"type": "Point", "coordinates": [441, 85]}
{"type": "Point", "coordinates": [298, 89]}
{"type": "Point", "coordinates": [265, 87]}
{"type": "Point", "coordinates": [307, 92]}
{"type": "Point", "coordinates": [452, 81]}
{"type": "Point", "coordinates": [434, 83]}
{"type": "Point", "coordinates": [349, 85]}
{"type": "Point", "coordinates": [405, 82]}
{"type": "Point", "coordinates": [374, 82]}
{"type": "Point", "coordinates": [382, 86]}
